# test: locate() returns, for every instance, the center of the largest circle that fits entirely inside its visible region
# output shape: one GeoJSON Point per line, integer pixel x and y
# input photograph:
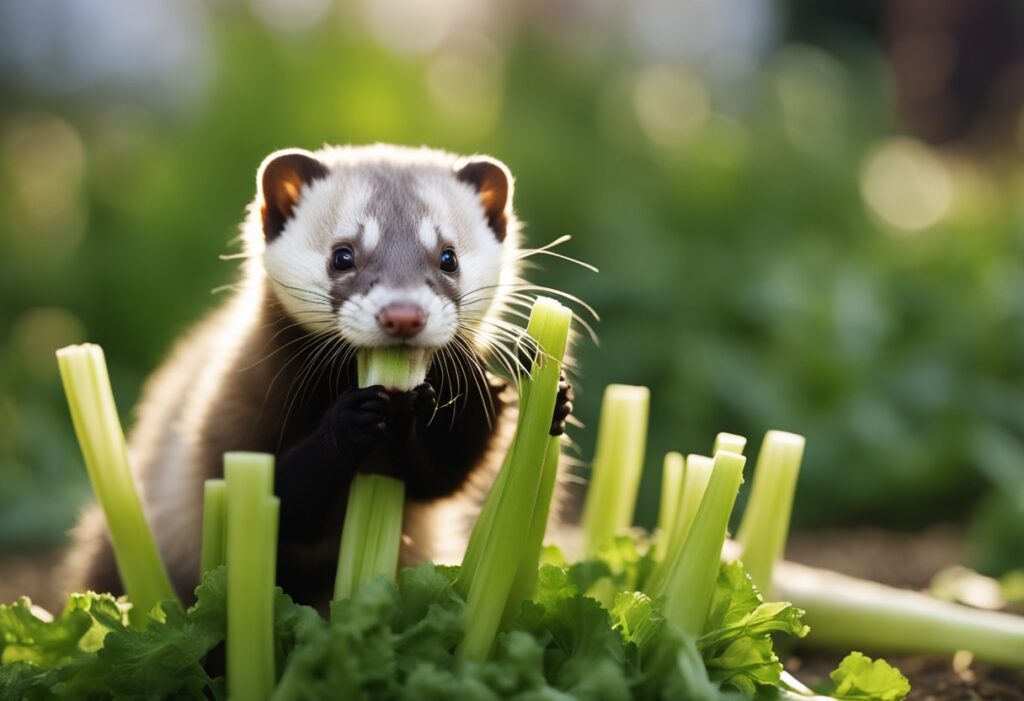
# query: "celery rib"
{"type": "Point", "coordinates": [618, 462]}
{"type": "Point", "coordinates": [83, 371]}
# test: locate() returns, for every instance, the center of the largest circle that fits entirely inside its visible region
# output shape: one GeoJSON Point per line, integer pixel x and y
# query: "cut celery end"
{"type": "Point", "coordinates": [401, 367]}
{"type": "Point", "coordinates": [692, 572]}
{"type": "Point", "coordinates": [372, 535]}
{"type": "Point", "coordinates": [214, 525]}
{"type": "Point", "coordinates": [83, 371]}
{"type": "Point", "coordinates": [672, 475]}
{"type": "Point", "coordinates": [618, 462]}
{"type": "Point", "coordinates": [252, 515]}
{"type": "Point", "coordinates": [730, 443]}
{"type": "Point", "coordinates": [497, 545]}
{"type": "Point", "coordinates": [765, 525]}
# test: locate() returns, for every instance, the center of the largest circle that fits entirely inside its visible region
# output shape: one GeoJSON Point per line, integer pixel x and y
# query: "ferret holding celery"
{"type": "Point", "coordinates": [345, 250]}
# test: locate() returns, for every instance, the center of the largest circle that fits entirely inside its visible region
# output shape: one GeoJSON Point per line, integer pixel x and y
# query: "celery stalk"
{"type": "Point", "coordinates": [371, 536]}
{"type": "Point", "coordinates": [399, 367]}
{"type": "Point", "coordinates": [845, 612]}
{"type": "Point", "coordinates": [251, 558]}
{"type": "Point", "coordinates": [500, 543]}
{"type": "Point", "coordinates": [525, 583]}
{"type": "Point", "coordinates": [695, 483]}
{"type": "Point", "coordinates": [765, 523]}
{"type": "Point", "coordinates": [83, 371]}
{"type": "Point", "coordinates": [692, 571]}
{"type": "Point", "coordinates": [730, 443]}
{"type": "Point", "coordinates": [214, 512]}
{"type": "Point", "coordinates": [672, 475]}
{"type": "Point", "coordinates": [618, 462]}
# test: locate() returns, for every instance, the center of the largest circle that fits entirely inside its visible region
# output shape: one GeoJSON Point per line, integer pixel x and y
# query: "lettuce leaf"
{"type": "Point", "coordinates": [737, 644]}
{"type": "Point", "coordinates": [859, 678]}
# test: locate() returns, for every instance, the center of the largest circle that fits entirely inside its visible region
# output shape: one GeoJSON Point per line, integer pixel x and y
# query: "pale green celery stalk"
{"type": "Point", "coordinates": [730, 443]}
{"type": "Point", "coordinates": [251, 554]}
{"type": "Point", "coordinates": [83, 371]}
{"type": "Point", "coordinates": [525, 584]}
{"type": "Point", "coordinates": [214, 524]}
{"type": "Point", "coordinates": [844, 612]}
{"type": "Point", "coordinates": [765, 525]}
{"type": "Point", "coordinates": [695, 482]}
{"type": "Point", "coordinates": [371, 536]}
{"type": "Point", "coordinates": [500, 541]}
{"type": "Point", "coordinates": [618, 462]}
{"type": "Point", "coordinates": [672, 473]}
{"type": "Point", "coordinates": [693, 570]}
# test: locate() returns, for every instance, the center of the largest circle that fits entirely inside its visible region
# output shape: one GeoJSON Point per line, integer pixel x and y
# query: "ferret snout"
{"type": "Point", "coordinates": [402, 319]}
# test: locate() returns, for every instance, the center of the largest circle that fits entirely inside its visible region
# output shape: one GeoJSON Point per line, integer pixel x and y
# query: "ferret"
{"type": "Point", "coordinates": [344, 248]}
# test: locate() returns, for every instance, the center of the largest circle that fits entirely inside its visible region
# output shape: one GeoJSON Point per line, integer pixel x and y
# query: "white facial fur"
{"type": "Point", "coordinates": [397, 208]}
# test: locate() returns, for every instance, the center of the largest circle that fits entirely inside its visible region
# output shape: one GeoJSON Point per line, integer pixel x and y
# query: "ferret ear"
{"type": "Point", "coordinates": [493, 182]}
{"type": "Point", "coordinates": [281, 177]}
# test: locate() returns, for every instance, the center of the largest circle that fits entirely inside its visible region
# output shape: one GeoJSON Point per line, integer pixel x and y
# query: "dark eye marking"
{"type": "Point", "coordinates": [343, 258]}
{"type": "Point", "coordinates": [449, 261]}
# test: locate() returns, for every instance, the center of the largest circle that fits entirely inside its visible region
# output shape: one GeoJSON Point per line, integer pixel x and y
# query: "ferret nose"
{"type": "Point", "coordinates": [402, 319]}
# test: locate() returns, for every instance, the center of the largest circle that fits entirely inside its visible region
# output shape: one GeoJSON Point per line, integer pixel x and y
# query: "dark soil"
{"type": "Point", "coordinates": [898, 559]}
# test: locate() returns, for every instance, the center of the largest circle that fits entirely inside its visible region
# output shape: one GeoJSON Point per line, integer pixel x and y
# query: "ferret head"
{"type": "Point", "coordinates": [386, 246]}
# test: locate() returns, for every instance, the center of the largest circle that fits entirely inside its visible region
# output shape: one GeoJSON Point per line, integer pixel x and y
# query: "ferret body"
{"type": "Point", "coordinates": [345, 248]}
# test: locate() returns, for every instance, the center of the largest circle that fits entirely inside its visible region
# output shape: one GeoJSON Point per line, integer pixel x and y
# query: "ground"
{"type": "Point", "coordinates": [899, 559]}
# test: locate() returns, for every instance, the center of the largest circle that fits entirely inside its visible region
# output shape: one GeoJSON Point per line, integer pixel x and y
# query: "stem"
{"type": "Point", "coordinates": [765, 525]}
{"type": "Point", "coordinates": [618, 462]}
{"type": "Point", "coordinates": [692, 572]}
{"type": "Point", "coordinates": [83, 371]}
{"type": "Point", "coordinates": [371, 537]}
{"type": "Point", "coordinates": [214, 525]}
{"type": "Point", "coordinates": [251, 558]}
{"type": "Point", "coordinates": [846, 612]}
{"type": "Point", "coordinates": [500, 542]}
{"type": "Point", "coordinates": [672, 475]}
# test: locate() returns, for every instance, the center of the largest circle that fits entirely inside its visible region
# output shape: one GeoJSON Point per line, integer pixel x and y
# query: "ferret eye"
{"type": "Point", "coordinates": [449, 262]}
{"type": "Point", "coordinates": [343, 258]}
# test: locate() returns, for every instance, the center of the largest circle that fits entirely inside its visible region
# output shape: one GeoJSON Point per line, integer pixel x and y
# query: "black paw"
{"type": "Point", "coordinates": [563, 406]}
{"type": "Point", "coordinates": [424, 401]}
{"type": "Point", "coordinates": [360, 417]}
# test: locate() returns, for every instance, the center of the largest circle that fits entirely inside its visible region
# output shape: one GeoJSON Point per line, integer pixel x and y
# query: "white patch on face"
{"type": "Point", "coordinates": [370, 236]}
{"type": "Point", "coordinates": [456, 209]}
{"type": "Point", "coordinates": [357, 318]}
{"type": "Point", "coordinates": [428, 234]}
{"type": "Point", "coordinates": [297, 261]}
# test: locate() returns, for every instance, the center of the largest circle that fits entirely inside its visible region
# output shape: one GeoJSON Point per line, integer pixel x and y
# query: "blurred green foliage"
{"type": "Point", "coordinates": [744, 276]}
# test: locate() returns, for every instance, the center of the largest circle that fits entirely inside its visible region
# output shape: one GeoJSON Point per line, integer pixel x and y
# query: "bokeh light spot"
{"type": "Point", "coordinates": [671, 105]}
{"type": "Point", "coordinates": [39, 332]}
{"type": "Point", "coordinates": [906, 185]}
{"type": "Point", "coordinates": [44, 158]}
{"type": "Point", "coordinates": [466, 83]}
{"type": "Point", "coordinates": [291, 15]}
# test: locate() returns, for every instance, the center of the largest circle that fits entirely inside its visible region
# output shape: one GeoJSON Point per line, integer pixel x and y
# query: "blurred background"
{"type": "Point", "coordinates": [807, 216]}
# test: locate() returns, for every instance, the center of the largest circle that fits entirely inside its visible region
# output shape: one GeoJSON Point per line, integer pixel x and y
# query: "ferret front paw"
{"type": "Point", "coordinates": [563, 406]}
{"type": "Point", "coordinates": [359, 419]}
{"type": "Point", "coordinates": [424, 401]}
